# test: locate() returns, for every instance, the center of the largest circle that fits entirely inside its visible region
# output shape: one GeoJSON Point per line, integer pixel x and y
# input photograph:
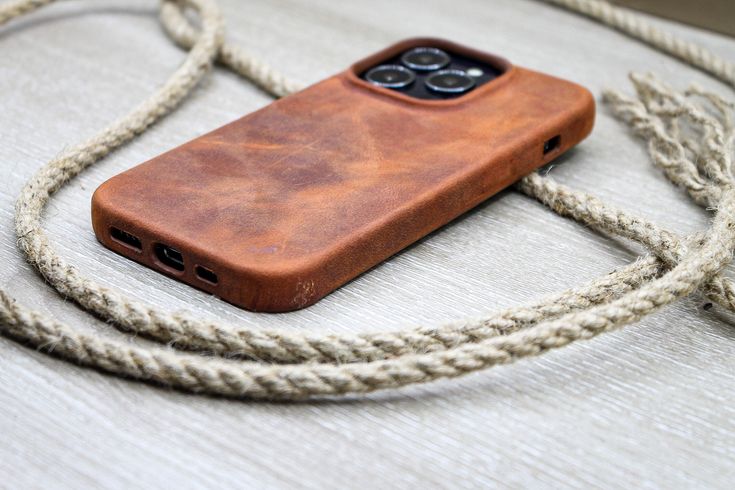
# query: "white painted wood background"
{"type": "Point", "coordinates": [651, 406]}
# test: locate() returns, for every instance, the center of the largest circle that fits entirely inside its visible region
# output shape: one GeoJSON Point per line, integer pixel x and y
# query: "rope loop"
{"type": "Point", "coordinates": [689, 134]}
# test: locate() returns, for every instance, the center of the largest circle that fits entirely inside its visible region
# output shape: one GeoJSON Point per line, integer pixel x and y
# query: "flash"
{"type": "Point", "coordinates": [475, 72]}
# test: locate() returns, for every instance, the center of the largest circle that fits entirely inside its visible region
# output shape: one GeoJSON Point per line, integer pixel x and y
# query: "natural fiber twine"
{"type": "Point", "coordinates": [690, 137]}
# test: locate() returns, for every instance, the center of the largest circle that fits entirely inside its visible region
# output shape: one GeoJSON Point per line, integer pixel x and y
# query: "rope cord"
{"type": "Point", "coordinates": [690, 136]}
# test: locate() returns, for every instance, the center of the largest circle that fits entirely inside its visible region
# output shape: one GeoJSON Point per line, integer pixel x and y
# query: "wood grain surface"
{"type": "Point", "coordinates": [650, 406]}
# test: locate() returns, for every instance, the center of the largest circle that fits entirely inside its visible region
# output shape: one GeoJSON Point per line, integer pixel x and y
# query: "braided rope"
{"type": "Point", "coordinates": [691, 53]}
{"type": "Point", "coordinates": [16, 8]}
{"type": "Point", "coordinates": [690, 136]}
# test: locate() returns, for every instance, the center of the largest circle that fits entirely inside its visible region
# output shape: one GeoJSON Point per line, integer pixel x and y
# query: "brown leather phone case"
{"type": "Point", "coordinates": [277, 209]}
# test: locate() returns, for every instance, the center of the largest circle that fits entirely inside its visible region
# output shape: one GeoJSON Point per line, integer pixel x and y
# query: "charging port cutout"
{"type": "Point", "coordinates": [205, 274]}
{"type": "Point", "coordinates": [552, 144]}
{"type": "Point", "coordinates": [125, 238]}
{"type": "Point", "coordinates": [169, 257]}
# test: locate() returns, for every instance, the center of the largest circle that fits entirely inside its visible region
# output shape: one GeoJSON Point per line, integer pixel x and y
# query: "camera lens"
{"type": "Point", "coordinates": [391, 76]}
{"type": "Point", "coordinates": [450, 82]}
{"type": "Point", "coordinates": [425, 59]}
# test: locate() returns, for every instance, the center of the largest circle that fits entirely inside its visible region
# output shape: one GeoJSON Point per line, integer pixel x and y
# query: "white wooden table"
{"type": "Point", "coordinates": [649, 406]}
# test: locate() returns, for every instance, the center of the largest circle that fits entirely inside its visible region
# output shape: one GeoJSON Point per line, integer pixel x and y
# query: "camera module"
{"type": "Point", "coordinates": [390, 76]}
{"type": "Point", "coordinates": [450, 82]}
{"type": "Point", "coordinates": [425, 59]}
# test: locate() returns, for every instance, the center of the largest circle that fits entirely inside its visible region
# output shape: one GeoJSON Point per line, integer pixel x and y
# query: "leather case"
{"type": "Point", "coordinates": [290, 202]}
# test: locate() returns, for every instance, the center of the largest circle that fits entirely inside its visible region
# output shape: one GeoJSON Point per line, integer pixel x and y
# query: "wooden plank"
{"type": "Point", "coordinates": [715, 15]}
{"type": "Point", "coordinates": [648, 406]}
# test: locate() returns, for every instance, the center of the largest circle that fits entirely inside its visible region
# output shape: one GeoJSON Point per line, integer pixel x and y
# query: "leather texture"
{"type": "Point", "coordinates": [290, 202]}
